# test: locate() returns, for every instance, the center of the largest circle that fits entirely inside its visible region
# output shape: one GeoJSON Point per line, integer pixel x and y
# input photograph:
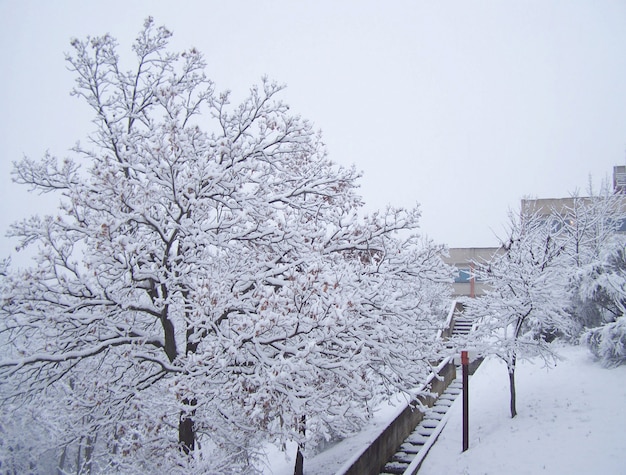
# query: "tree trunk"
{"type": "Point", "coordinates": [60, 468]}
{"type": "Point", "coordinates": [512, 387]}
{"type": "Point", "coordinates": [299, 468]}
{"type": "Point", "coordinates": [186, 430]}
{"type": "Point", "coordinates": [89, 447]}
{"type": "Point", "coordinates": [78, 456]}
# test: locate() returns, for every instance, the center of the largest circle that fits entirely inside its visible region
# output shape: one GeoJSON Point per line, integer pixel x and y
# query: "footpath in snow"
{"type": "Point", "coordinates": [571, 420]}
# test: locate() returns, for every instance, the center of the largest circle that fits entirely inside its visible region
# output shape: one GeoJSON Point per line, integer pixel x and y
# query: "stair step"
{"type": "Point", "coordinates": [411, 448]}
{"type": "Point", "coordinates": [449, 395]}
{"type": "Point", "coordinates": [403, 457]}
{"type": "Point", "coordinates": [437, 409]}
{"type": "Point", "coordinates": [425, 431]}
{"type": "Point", "coordinates": [395, 468]}
{"type": "Point", "coordinates": [434, 416]}
{"type": "Point", "coordinates": [454, 388]}
{"type": "Point", "coordinates": [429, 423]}
{"type": "Point", "coordinates": [416, 439]}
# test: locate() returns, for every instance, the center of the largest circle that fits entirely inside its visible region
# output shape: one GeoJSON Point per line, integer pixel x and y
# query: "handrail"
{"type": "Point", "coordinates": [447, 329]}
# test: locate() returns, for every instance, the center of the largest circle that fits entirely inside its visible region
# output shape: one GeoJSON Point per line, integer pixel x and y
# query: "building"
{"type": "Point", "coordinates": [566, 210]}
{"type": "Point", "coordinates": [464, 259]}
{"type": "Point", "coordinates": [619, 179]}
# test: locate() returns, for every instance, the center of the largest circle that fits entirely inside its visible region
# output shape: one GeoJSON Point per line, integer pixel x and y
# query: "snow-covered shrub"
{"type": "Point", "coordinates": [603, 283]}
{"type": "Point", "coordinates": [608, 342]}
{"type": "Point", "coordinates": [594, 252]}
{"type": "Point", "coordinates": [604, 280]}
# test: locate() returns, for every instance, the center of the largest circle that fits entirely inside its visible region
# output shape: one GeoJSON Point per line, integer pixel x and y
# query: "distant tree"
{"type": "Point", "coordinates": [208, 279]}
{"type": "Point", "coordinates": [527, 297]}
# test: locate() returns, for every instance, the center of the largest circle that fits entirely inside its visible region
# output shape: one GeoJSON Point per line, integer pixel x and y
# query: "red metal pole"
{"type": "Point", "coordinates": [465, 365]}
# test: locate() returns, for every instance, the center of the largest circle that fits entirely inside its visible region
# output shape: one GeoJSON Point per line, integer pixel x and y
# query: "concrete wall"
{"type": "Point", "coordinates": [374, 458]}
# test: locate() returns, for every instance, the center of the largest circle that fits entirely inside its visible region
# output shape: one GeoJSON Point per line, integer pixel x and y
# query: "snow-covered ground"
{"type": "Point", "coordinates": [571, 420]}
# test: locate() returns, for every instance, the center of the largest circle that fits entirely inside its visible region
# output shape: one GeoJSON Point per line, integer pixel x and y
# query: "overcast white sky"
{"type": "Point", "coordinates": [461, 106]}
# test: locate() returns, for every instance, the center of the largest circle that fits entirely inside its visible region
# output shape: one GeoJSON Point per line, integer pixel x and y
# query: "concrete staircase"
{"type": "Point", "coordinates": [408, 458]}
{"type": "Point", "coordinates": [462, 326]}
{"type": "Point", "coordinates": [401, 447]}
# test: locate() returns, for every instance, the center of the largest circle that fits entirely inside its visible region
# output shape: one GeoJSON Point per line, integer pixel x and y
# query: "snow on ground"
{"type": "Point", "coordinates": [571, 420]}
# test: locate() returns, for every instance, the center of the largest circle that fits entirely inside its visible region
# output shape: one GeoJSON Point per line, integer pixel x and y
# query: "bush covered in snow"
{"type": "Point", "coordinates": [604, 283]}
{"type": "Point", "coordinates": [608, 342]}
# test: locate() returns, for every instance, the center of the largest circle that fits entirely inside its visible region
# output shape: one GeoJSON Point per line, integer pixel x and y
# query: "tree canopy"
{"type": "Point", "coordinates": [526, 302]}
{"type": "Point", "coordinates": [208, 283]}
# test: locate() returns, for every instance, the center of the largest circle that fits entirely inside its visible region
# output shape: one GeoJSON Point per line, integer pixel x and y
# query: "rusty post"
{"type": "Point", "coordinates": [465, 365]}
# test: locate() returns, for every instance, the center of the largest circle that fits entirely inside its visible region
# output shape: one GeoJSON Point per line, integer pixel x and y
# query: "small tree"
{"type": "Point", "coordinates": [208, 278]}
{"type": "Point", "coordinates": [527, 297]}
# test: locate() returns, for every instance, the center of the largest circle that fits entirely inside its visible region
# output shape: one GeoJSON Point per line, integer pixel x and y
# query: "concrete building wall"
{"type": "Point", "coordinates": [569, 207]}
{"type": "Point", "coordinates": [465, 257]}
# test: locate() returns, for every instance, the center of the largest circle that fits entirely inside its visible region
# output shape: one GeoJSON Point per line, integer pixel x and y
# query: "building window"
{"type": "Point", "coordinates": [463, 276]}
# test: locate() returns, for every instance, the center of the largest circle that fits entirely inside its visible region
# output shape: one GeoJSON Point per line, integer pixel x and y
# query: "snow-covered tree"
{"type": "Point", "coordinates": [527, 297]}
{"type": "Point", "coordinates": [208, 279]}
{"type": "Point", "coordinates": [589, 229]}
{"type": "Point", "coordinates": [588, 225]}
{"type": "Point", "coordinates": [604, 282]}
